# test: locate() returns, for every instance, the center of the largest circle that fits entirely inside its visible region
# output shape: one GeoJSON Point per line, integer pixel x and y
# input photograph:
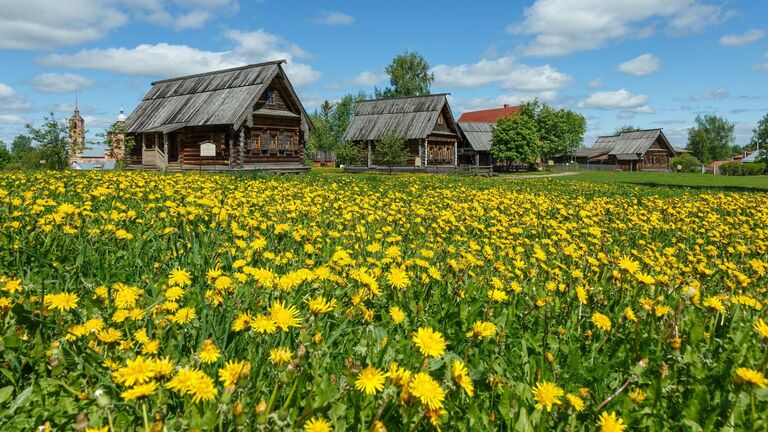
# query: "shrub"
{"type": "Point", "coordinates": [348, 154]}
{"type": "Point", "coordinates": [687, 163]}
{"type": "Point", "coordinates": [742, 169]}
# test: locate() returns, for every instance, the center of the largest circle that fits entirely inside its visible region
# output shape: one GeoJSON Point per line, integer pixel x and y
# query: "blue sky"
{"type": "Point", "coordinates": [649, 63]}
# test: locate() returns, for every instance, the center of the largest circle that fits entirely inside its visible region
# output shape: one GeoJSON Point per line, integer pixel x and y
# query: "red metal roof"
{"type": "Point", "coordinates": [490, 115]}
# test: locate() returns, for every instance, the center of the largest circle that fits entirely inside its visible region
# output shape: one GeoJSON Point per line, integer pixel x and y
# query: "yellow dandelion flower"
{"type": "Point", "coordinates": [576, 402]}
{"type": "Point", "coordinates": [482, 329]}
{"type": "Point", "coordinates": [546, 394]}
{"type": "Point", "coordinates": [280, 356]}
{"type": "Point", "coordinates": [752, 376]}
{"type": "Point", "coordinates": [317, 424]}
{"type": "Point", "coordinates": [63, 301]}
{"type": "Point", "coordinates": [321, 305]}
{"type": "Point", "coordinates": [398, 278]}
{"type": "Point", "coordinates": [174, 293]}
{"type": "Point", "coordinates": [183, 315]}
{"type": "Point", "coordinates": [628, 264]}
{"type": "Point", "coordinates": [497, 295]}
{"type": "Point", "coordinates": [140, 391]}
{"type": "Point", "coordinates": [397, 314]}
{"type": "Point", "coordinates": [234, 371]}
{"type": "Point", "coordinates": [601, 321]}
{"type": "Point", "coordinates": [179, 278]}
{"type": "Point", "coordinates": [264, 324]}
{"type": "Point", "coordinates": [400, 376]}
{"type": "Point", "coordinates": [209, 353]}
{"type": "Point", "coordinates": [460, 374]}
{"type": "Point", "coordinates": [714, 303]}
{"type": "Point", "coordinates": [135, 371]}
{"type": "Point", "coordinates": [608, 422]}
{"type": "Point", "coordinates": [430, 342]}
{"type": "Point", "coordinates": [284, 317]}
{"type": "Point", "coordinates": [630, 314]}
{"type": "Point", "coordinates": [636, 395]}
{"type": "Point", "coordinates": [370, 380]}
{"type": "Point", "coordinates": [242, 321]}
{"type": "Point", "coordinates": [427, 390]}
{"type": "Point", "coordinates": [761, 327]}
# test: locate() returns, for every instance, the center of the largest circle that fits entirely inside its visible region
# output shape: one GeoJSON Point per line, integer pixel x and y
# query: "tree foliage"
{"type": "Point", "coordinates": [53, 143]}
{"type": "Point", "coordinates": [558, 131]}
{"type": "Point", "coordinates": [349, 154]}
{"type": "Point", "coordinates": [516, 139]}
{"type": "Point", "coordinates": [409, 75]}
{"type": "Point", "coordinates": [390, 151]}
{"type": "Point", "coordinates": [760, 139]}
{"type": "Point", "coordinates": [626, 128]}
{"type": "Point", "coordinates": [686, 162]}
{"type": "Point", "coordinates": [331, 120]}
{"type": "Point", "coordinates": [5, 156]}
{"type": "Point", "coordinates": [711, 138]}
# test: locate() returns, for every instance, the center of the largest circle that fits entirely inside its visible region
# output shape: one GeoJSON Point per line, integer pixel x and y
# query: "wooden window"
{"type": "Point", "coordinates": [270, 97]}
{"type": "Point", "coordinates": [440, 120]}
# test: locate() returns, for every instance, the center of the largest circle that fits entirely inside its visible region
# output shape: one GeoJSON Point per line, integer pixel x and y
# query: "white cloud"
{"type": "Point", "coordinates": [334, 19]}
{"type": "Point", "coordinates": [560, 27]}
{"type": "Point", "coordinates": [192, 20]}
{"type": "Point", "coordinates": [619, 99]}
{"type": "Point", "coordinates": [763, 67]}
{"type": "Point", "coordinates": [47, 24]}
{"type": "Point", "coordinates": [60, 82]}
{"type": "Point", "coordinates": [746, 38]}
{"type": "Point", "coordinates": [12, 119]}
{"type": "Point", "coordinates": [505, 72]}
{"type": "Point", "coordinates": [462, 105]}
{"type": "Point", "coordinates": [363, 79]}
{"type": "Point", "coordinates": [716, 94]}
{"type": "Point", "coordinates": [596, 83]}
{"type": "Point", "coordinates": [164, 60]}
{"type": "Point", "coordinates": [11, 101]}
{"type": "Point", "coordinates": [641, 65]}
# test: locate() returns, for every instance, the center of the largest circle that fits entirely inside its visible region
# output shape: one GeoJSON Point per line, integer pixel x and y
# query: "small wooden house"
{"type": "Point", "coordinates": [476, 128]}
{"type": "Point", "coordinates": [425, 122]}
{"type": "Point", "coordinates": [642, 150]}
{"type": "Point", "coordinates": [243, 118]}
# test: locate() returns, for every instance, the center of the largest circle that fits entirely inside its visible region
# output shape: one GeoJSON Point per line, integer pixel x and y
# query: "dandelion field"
{"type": "Point", "coordinates": [135, 301]}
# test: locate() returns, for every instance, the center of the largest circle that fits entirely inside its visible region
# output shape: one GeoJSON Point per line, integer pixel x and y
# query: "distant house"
{"type": "Point", "coordinates": [476, 129]}
{"type": "Point", "coordinates": [425, 122]}
{"type": "Point", "coordinates": [642, 150]}
{"type": "Point", "coordinates": [243, 118]}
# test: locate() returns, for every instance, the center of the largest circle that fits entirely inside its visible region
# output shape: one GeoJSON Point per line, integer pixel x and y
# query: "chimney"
{"type": "Point", "coordinates": [506, 105]}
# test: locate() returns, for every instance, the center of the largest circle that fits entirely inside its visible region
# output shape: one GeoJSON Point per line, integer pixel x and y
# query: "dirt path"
{"type": "Point", "coordinates": [535, 176]}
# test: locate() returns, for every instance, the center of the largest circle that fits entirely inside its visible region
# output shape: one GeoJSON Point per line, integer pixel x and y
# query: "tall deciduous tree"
{"type": "Point", "coordinates": [5, 156]}
{"type": "Point", "coordinates": [52, 139]}
{"type": "Point", "coordinates": [343, 112]}
{"type": "Point", "coordinates": [760, 135]}
{"type": "Point", "coordinates": [21, 146]}
{"type": "Point", "coordinates": [560, 131]}
{"type": "Point", "coordinates": [711, 138]}
{"type": "Point", "coordinates": [409, 75]}
{"type": "Point", "coordinates": [516, 139]}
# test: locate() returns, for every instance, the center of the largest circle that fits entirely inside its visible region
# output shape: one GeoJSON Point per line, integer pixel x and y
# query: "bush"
{"type": "Point", "coordinates": [349, 154]}
{"type": "Point", "coordinates": [687, 163]}
{"type": "Point", "coordinates": [742, 169]}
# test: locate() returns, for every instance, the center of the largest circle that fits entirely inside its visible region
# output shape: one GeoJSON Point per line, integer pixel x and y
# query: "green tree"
{"type": "Point", "coordinates": [686, 162]}
{"type": "Point", "coordinates": [409, 75]}
{"type": "Point", "coordinates": [390, 150]}
{"type": "Point", "coordinates": [760, 139]}
{"type": "Point", "coordinates": [53, 144]}
{"type": "Point", "coordinates": [711, 138]}
{"type": "Point", "coordinates": [20, 147]}
{"type": "Point", "coordinates": [342, 114]}
{"type": "Point", "coordinates": [348, 154]}
{"type": "Point", "coordinates": [516, 139]}
{"type": "Point", "coordinates": [561, 131]}
{"type": "Point", "coordinates": [626, 128]}
{"type": "Point", "coordinates": [5, 156]}
{"type": "Point", "coordinates": [119, 148]}
{"type": "Point", "coordinates": [322, 138]}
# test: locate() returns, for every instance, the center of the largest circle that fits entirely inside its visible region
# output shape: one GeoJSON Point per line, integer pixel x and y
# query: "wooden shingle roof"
{"type": "Point", "coordinates": [409, 117]}
{"type": "Point", "coordinates": [630, 145]}
{"type": "Point", "coordinates": [478, 134]}
{"type": "Point", "coordinates": [223, 97]}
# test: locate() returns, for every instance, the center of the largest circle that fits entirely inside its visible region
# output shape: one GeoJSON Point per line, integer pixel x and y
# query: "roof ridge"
{"type": "Point", "coordinates": [219, 71]}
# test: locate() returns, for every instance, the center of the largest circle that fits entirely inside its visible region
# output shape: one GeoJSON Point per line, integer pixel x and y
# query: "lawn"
{"type": "Point", "coordinates": [693, 181]}
{"type": "Point", "coordinates": [136, 301]}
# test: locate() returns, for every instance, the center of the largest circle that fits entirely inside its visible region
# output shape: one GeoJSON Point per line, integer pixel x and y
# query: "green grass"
{"type": "Point", "coordinates": [686, 180]}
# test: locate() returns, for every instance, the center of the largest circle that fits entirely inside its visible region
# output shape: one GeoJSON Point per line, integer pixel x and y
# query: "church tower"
{"type": "Point", "coordinates": [76, 133]}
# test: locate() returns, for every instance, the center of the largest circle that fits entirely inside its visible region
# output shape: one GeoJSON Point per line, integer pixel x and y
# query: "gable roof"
{"type": "Point", "coordinates": [630, 145]}
{"type": "Point", "coordinates": [477, 134]}
{"type": "Point", "coordinates": [410, 117]}
{"type": "Point", "coordinates": [224, 97]}
{"type": "Point", "coordinates": [490, 115]}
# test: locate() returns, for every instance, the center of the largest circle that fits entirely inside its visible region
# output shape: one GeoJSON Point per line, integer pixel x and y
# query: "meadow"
{"type": "Point", "coordinates": [135, 301]}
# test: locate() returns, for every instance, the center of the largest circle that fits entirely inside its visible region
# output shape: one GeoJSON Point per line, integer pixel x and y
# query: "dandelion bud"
{"type": "Point", "coordinates": [261, 407]}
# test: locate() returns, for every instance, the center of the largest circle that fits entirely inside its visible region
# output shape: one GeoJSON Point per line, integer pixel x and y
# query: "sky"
{"type": "Point", "coordinates": [646, 63]}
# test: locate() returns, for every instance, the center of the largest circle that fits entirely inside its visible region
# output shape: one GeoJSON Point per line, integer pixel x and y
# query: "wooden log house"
{"type": "Point", "coordinates": [641, 150]}
{"type": "Point", "coordinates": [235, 119]}
{"type": "Point", "coordinates": [425, 122]}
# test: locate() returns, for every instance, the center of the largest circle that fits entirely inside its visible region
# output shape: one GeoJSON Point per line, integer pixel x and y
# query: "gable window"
{"type": "Point", "coordinates": [440, 120]}
{"type": "Point", "coordinates": [270, 96]}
